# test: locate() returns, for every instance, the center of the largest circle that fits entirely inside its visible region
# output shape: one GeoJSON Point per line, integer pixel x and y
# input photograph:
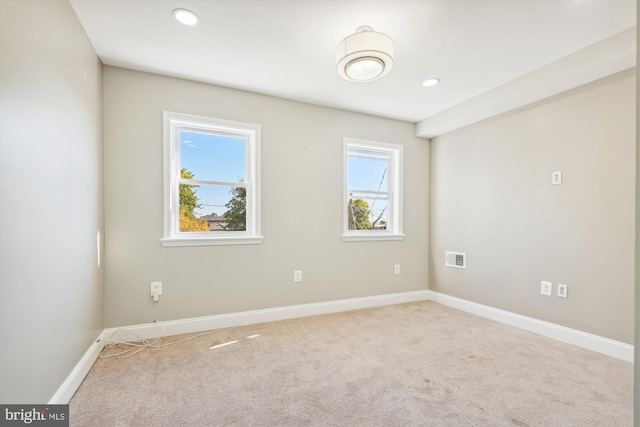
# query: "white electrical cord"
{"type": "Point", "coordinates": [139, 344]}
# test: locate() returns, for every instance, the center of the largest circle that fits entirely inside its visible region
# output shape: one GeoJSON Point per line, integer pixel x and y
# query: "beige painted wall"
{"type": "Point", "coordinates": [51, 288]}
{"type": "Point", "coordinates": [491, 197]}
{"type": "Point", "coordinates": [301, 207]}
{"type": "Point", "coordinates": [636, 366]}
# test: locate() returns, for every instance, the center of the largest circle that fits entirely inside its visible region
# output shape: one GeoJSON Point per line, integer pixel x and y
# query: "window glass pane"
{"type": "Point", "coordinates": [368, 173]}
{"type": "Point", "coordinates": [212, 208]}
{"type": "Point", "coordinates": [213, 157]}
{"type": "Point", "coordinates": [372, 208]}
{"type": "Point", "coordinates": [367, 213]}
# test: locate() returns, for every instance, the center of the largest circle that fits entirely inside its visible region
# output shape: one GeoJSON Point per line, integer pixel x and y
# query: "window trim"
{"type": "Point", "coordinates": [171, 158]}
{"type": "Point", "coordinates": [395, 232]}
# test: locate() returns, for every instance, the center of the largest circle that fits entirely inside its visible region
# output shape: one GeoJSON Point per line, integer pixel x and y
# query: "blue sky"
{"type": "Point", "coordinates": [368, 174]}
{"type": "Point", "coordinates": [213, 158]}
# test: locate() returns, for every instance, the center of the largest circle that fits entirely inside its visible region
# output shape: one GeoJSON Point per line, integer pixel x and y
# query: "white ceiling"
{"type": "Point", "coordinates": [287, 48]}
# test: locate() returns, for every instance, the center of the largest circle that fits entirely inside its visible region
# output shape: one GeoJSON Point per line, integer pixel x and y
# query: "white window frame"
{"type": "Point", "coordinates": [172, 124]}
{"type": "Point", "coordinates": [394, 224]}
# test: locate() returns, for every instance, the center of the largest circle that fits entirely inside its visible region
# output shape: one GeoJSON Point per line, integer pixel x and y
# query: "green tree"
{"type": "Point", "coordinates": [188, 204]}
{"type": "Point", "coordinates": [359, 213]}
{"type": "Point", "coordinates": [188, 197]}
{"type": "Point", "coordinates": [236, 215]}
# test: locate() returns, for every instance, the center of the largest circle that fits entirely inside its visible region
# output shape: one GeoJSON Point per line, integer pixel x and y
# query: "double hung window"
{"type": "Point", "coordinates": [212, 193]}
{"type": "Point", "coordinates": [372, 202]}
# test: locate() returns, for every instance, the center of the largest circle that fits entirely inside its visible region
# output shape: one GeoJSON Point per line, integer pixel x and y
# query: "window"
{"type": "Point", "coordinates": [211, 181]}
{"type": "Point", "coordinates": [372, 204]}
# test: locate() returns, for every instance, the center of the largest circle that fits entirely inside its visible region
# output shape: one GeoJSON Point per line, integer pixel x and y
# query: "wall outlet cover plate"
{"type": "Point", "coordinates": [546, 288]}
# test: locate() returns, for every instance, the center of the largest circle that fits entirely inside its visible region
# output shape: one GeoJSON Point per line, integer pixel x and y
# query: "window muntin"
{"type": "Point", "coordinates": [211, 181]}
{"type": "Point", "coordinates": [372, 199]}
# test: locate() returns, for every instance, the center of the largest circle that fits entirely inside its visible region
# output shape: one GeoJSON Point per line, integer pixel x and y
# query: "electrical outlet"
{"type": "Point", "coordinates": [297, 276]}
{"type": "Point", "coordinates": [556, 178]}
{"type": "Point", "coordinates": [396, 269]}
{"type": "Point", "coordinates": [546, 288]}
{"type": "Point", "coordinates": [155, 289]}
{"type": "Point", "coordinates": [563, 290]}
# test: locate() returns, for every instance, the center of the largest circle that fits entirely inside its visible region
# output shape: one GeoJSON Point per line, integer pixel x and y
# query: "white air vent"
{"type": "Point", "coordinates": [455, 259]}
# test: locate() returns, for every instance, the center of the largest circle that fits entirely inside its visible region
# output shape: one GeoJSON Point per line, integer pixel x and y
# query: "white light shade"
{"type": "Point", "coordinates": [185, 16]}
{"type": "Point", "coordinates": [364, 56]}
{"type": "Point", "coordinates": [363, 69]}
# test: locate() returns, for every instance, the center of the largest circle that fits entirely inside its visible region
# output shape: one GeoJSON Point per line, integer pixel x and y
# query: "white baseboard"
{"type": "Point", "coordinates": [70, 385]}
{"type": "Point", "coordinates": [175, 327]}
{"type": "Point", "coordinates": [596, 343]}
{"type": "Point", "coordinates": [592, 342]}
{"type": "Point", "coordinates": [199, 324]}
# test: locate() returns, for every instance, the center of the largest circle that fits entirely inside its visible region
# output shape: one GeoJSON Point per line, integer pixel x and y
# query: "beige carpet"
{"type": "Point", "coordinates": [417, 364]}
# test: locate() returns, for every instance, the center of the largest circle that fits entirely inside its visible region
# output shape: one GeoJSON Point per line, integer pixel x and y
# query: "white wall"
{"type": "Point", "coordinates": [51, 289]}
{"type": "Point", "coordinates": [636, 380]}
{"type": "Point", "coordinates": [301, 207]}
{"type": "Point", "coordinates": [491, 197]}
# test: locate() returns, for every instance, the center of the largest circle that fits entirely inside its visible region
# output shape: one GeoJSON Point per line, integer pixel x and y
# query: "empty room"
{"type": "Point", "coordinates": [318, 213]}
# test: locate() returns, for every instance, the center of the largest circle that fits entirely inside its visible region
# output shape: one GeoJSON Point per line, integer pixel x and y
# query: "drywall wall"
{"type": "Point", "coordinates": [492, 197]}
{"type": "Point", "coordinates": [636, 366]}
{"type": "Point", "coordinates": [51, 288]}
{"type": "Point", "coordinates": [301, 207]}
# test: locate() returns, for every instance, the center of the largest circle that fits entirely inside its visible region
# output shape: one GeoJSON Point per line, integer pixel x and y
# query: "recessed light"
{"type": "Point", "coordinates": [430, 82]}
{"type": "Point", "coordinates": [185, 17]}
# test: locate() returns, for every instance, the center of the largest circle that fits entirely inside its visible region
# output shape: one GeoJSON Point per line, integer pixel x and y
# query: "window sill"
{"type": "Point", "coordinates": [370, 237]}
{"type": "Point", "coordinates": [208, 241]}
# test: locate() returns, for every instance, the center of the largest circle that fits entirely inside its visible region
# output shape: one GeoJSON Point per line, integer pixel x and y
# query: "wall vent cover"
{"type": "Point", "coordinates": [455, 259]}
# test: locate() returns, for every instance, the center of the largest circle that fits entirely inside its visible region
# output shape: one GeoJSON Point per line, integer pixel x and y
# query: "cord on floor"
{"type": "Point", "coordinates": [129, 348]}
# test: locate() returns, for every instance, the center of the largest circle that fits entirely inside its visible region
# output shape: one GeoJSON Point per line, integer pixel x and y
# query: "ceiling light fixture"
{"type": "Point", "coordinates": [185, 17]}
{"type": "Point", "coordinates": [365, 55]}
{"type": "Point", "coordinates": [430, 82]}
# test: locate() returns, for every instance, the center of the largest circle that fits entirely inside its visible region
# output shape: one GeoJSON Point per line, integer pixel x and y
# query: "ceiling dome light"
{"type": "Point", "coordinates": [430, 82]}
{"type": "Point", "coordinates": [185, 17]}
{"type": "Point", "coordinates": [364, 56]}
{"type": "Point", "coordinates": [366, 68]}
